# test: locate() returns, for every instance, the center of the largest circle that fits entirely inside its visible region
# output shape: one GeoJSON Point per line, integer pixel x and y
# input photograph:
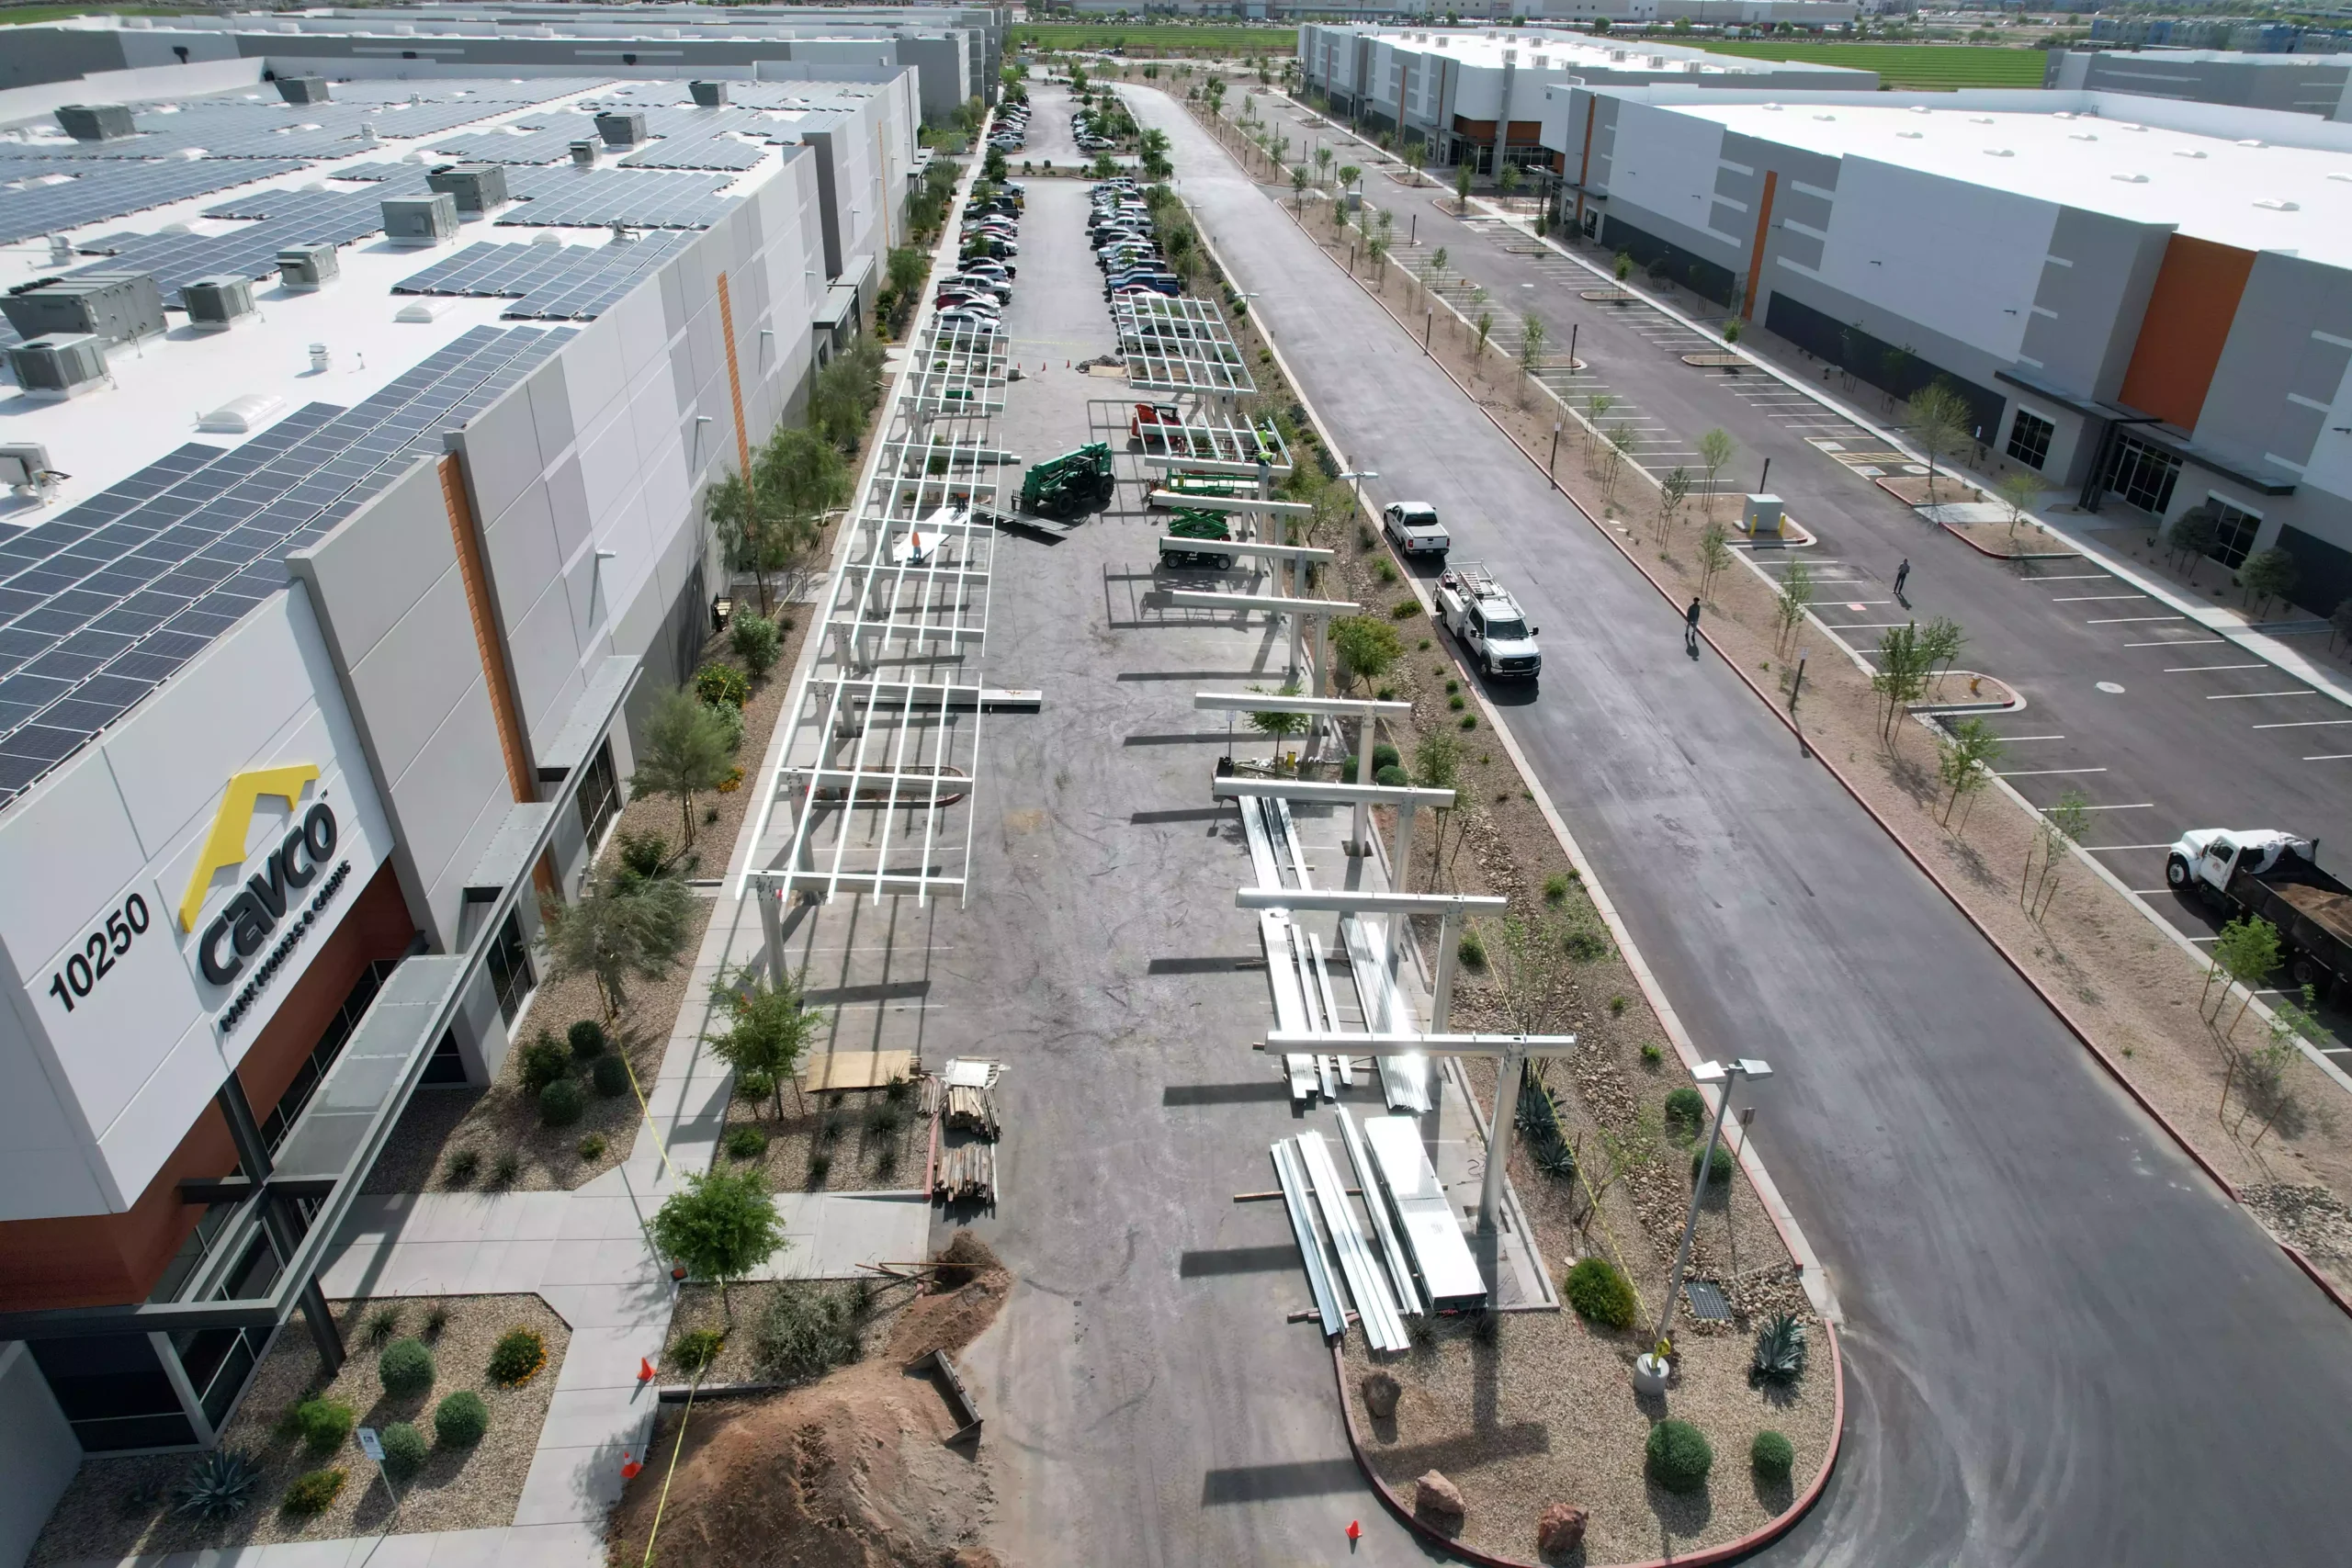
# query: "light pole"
{"type": "Point", "coordinates": [1552, 465]}
{"type": "Point", "coordinates": [1649, 1370]}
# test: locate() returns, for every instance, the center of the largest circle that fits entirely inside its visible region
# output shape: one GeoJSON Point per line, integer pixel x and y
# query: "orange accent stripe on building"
{"type": "Point", "coordinates": [1584, 170]}
{"type": "Point", "coordinates": [2185, 329]}
{"type": "Point", "coordinates": [487, 642]}
{"type": "Point", "coordinates": [734, 377]}
{"type": "Point", "coordinates": [1756, 256]}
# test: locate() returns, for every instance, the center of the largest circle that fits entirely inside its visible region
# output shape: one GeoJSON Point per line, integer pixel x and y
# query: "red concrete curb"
{"type": "Point", "coordinates": [2081, 1035]}
{"type": "Point", "coordinates": [1999, 555]}
{"type": "Point", "coordinates": [1762, 1535]}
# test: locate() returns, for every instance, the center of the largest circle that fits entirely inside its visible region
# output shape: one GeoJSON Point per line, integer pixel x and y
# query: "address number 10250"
{"type": "Point", "coordinates": [100, 952]}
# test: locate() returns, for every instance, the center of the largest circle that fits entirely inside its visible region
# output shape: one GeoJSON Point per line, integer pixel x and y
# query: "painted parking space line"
{"type": "Point", "coordinates": [2180, 642]}
{"type": "Point", "coordinates": [2304, 724]}
{"type": "Point", "coordinates": [2192, 669]}
{"type": "Point", "coordinates": [2127, 620]}
{"type": "Point", "coordinates": [2077, 577]}
{"type": "Point", "coordinates": [2008, 739]}
{"type": "Point", "coordinates": [1866, 626]}
{"type": "Point", "coordinates": [2094, 598]}
{"type": "Point", "coordinates": [2233, 696]}
{"type": "Point", "coordinates": [2044, 773]}
{"type": "Point", "coordinates": [2125, 805]}
{"type": "Point", "coordinates": [2331, 757]}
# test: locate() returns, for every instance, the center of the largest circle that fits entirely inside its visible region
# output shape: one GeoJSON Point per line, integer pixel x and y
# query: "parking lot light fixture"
{"type": "Point", "coordinates": [1649, 1370]}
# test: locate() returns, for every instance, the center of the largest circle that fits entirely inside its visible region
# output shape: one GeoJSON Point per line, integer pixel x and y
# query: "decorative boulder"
{"type": "Point", "coordinates": [1560, 1530]}
{"type": "Point", "coordinates": [1380, 1392]}
{"type": "Point", "coordinates": [1439, 1498]}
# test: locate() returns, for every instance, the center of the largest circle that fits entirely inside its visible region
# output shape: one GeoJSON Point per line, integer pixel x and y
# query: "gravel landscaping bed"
{"type": "Point", "coordinates": [118, 1508]}
{"type": "Point", "coordinates": [855, 1140]}
{"type": "Point", "coordinates": [874, 1304]}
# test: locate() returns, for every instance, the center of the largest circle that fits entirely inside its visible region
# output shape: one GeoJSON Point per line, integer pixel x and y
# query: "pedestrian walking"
{"type": "Point", "coordinates": [1690, 628]}
{"type": "Point", "coordinates": [1902, 575]}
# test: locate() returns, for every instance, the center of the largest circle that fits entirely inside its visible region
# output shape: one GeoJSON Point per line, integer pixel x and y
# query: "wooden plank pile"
{"type": "Point", "coordinates": [967, 1171]}
{"type": "Point", "coordinates": [964, 1108]}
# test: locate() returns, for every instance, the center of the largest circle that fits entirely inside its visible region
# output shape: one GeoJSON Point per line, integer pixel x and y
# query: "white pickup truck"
{"type": "Point", "coordinates": [1487, 622]}
{"type": "Point", "coordinates": [1412, 527]}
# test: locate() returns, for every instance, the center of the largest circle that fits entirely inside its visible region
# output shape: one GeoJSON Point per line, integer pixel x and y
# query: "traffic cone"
{"type": "Point", "coordinates": [1355, 1533]}
{"type": "Point", "coordinates": [630, 1467]}
{"type": "Point", "coordinates": [644, 1369]}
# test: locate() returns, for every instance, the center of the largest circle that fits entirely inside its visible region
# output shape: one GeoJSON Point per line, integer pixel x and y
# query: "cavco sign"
{"type": "Point", "coordinates": [281, 897]}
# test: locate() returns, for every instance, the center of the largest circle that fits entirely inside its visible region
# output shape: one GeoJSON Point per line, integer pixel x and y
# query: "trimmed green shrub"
{"type": "Point", "coordinates": [1556, 889]}
{"type": "Point", "coordinates": [756, 640]}
{"type": "Point", "coordinates": [322, 1424]}
{"type": "Point", "coordinates": [746, 1142]}
{"type": "Point", "coordinates": [1600, 1293]}
{"type": "Point", "coordinates": [1686, 1112]}
{"type": "Point", "coordinates": [404, 1450]}
{"type": "Point", "coordinates": [1679, 1455]}
{"type": "Point", "coordinates": [753, 1087]}
{"type": "Point", "coordinates": [561, 1103]}
{"type": "Point", "coordinates": [315, 1493]}
{"type": "Point", "coordinates": [544, 1061]}
{"type": "Point", "coordinates": [1772, 1455]}
{"type": "Point", "coordinates": [586, 1039]}
{"type": "Point", "coordinates": [517, 1356]}
{"type": "Point", "coordinates": [643, 854]}
{"type": "Point", "coordinates": [1652, 1053]}
{"type": "Point", "coordinates": [1392, 778]}
{"type": "Point", "coordinates": [610, 1075]}
{"type": "Point", "coordinates": [722, 684]}
{"type": "Point", "coordinates": [592, 1146]}
{"type": "Point", "coordinates": [806, 1330]}
{"type": "Point", "coordinates": [1586, 944]}
{"type": "Point", "coordinates": [1472, 951]}
{"type": "Point", "coordinates": [1715, 1162]}
{"type": "Point", "coordinates": [460, 1420]}
{"type": "Point", "coordinates": [697, 1349]}
{"type": "Point", "coordinates": [406, 1368]}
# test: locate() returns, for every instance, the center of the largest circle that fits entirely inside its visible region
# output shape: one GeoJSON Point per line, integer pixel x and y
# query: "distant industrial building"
{"type": "Point", "coordinates": [2148, 303]}
{"type": "Point", "coordinates": [1478, 94]}
{"type": "Point", "coordinates": [2297, 84]}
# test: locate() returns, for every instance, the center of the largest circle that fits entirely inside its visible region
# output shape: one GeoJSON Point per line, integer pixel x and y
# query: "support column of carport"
{"type": "Point", "coordinates": [1365, 711]}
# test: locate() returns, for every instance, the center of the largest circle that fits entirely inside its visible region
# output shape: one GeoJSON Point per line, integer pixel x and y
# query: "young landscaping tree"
{"type": "Point", "coordinates": [722, 1226]}
{"type": "Point", "coordinates": [621, 925]}
{"type": "Point", "coordinates": [1795, 600]}
{"type": "Point", "coordinates": [2266, 575]}
{"type": "Point", "coordinates": [1940, 641]}
{"type": "Point", "coordinates": [2190, 538]}
{"type": "Point", "coordinates": [1596, 408]}
{"type": "Point", "coordinates": [1322, 165]}
{"type": "Point", "coordinates": [1507, 180]}
{"type": "Point", "coordinates": [1350, 175]}
{"type": "Point", "coordinates": [1715, 448]}
{"type": "Point", "coordinates": [1902, 675]}
{"type": "Point", "coordinates": [1375, 250]}
{"type": "Point", "coordinates": [1622, 266]}
{"type": "Point", "coordinates": [1437, 260]}
{"type": "Point", "coordinates": [2268, 1091]}
{"type": "Point", "coordinates": [1531, 332]}
{"type": "Point", "coordinates": [748, 525]}
{"type": "Point", "coordinates": [1731, 331]}
{"type": "Point", "coordinates": [2061, 826]}
{"type": "Point", "coordinates": [684, 748]}
{"type": "Point", "coordinates": [2018, 490]}
{"type": "Point", "coordinates": [1672, 491]}
{"type": "Point", "coordinates": [1938, 418]}
{"type": "Point", "coordinates": [1714, 555]}
{"type": "Point", "coordinates": [1461, 176]}
{"type": "Point", "coordinates": [2247, 952]}
{"type": "Point", "coordinates": [801, 473]}
{"type": "Point", "coordinates": [1620, 451]}
{"type": "Point", "coordinates": [1965, 761]}
{"type": "Point", "coordinates": [1437, 765]}
{"type": "Point", "coordinates": [772, 1026]}
{"type": "Point", "coordinates": [753, 640]}
{"type": "Point", "coordinates": [1367, 646]}
{"type": "Point", "coordinates": [1486, 325]}
{"type": "Point", "coordinates": [1530, 972]}
{"type": "Point", "coordinates": [1279, 724]}
{"type": "Point", "coordinates": [1298, 182]}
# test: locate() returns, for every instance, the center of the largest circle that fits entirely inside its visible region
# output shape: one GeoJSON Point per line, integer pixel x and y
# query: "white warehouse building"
{"type": "Point", "coordinates": [1479, 95]}
{"type": "Point", "coordinates": [2149, 302]}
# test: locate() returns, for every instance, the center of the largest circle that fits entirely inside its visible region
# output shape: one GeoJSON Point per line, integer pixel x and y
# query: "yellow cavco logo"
{"type": "Point", "coordinates": [224, 847]}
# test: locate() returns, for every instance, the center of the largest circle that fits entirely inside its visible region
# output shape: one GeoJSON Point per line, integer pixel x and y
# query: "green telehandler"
{"type": "Point", "coordinates": [1069, 485]}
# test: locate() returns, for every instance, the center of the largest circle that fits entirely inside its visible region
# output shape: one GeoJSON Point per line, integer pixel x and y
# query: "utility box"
{"type": "Point", "coordinates": [96, 122]}
{"type": "Point", "coordinates": [59, 366]}
{"type": "Point", "coordinates": [621, 130]}
{"type": "Point", "coordinates": [1760, 516]}
{"type": "Point", "coordinates": [583, 154]}
{"type": "Point", "coordinates": [303, 89]}
{"type": "Point", "coordinates": [708, 94]}
{"type": "Point", "coordinates": [477, 188]}
{"type": "Point", "coordinates": [420, 220]}
{"type": "Point", "coordinates": [306, 267]}
{"type": "Point", "coordinates": [217, 303]}
{"type": "Point", "coordinates": [115, 307]}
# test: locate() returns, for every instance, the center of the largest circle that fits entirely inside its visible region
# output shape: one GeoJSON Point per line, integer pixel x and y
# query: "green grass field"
{"type": "Point", "coordinates": [1161, 40]}
{"type": "Point", "coordinates": [1906, 64]}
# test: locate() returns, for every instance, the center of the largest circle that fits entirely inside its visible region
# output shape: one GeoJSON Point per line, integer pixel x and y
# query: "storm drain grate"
{"type": "Point", "coordinates": [1706, 1301]}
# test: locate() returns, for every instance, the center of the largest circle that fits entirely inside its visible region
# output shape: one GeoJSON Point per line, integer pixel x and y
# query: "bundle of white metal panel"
{"type": "Point", "coordinates": [1447, 1272]}
{"type": "Point", "coordinates": [1275, 931]}
{"type": "Point", "coordinates": [1404, 1081]}
{"type": "Point", "coordinates": [1310, 1242]}
{"type": "Point", "coordinates": [1384, 1329]}
{"type": "Point", "coordinates": [1391, 1250]}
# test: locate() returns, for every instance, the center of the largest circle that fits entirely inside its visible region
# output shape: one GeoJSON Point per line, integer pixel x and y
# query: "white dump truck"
{"type": "Point", "coordinates": [1487, 622]}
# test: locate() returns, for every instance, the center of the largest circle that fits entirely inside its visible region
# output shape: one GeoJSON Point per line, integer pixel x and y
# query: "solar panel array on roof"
{"type": "Point", "coordinates": [97, 192]}
{"type": "Point", "coordinates": [101, 602]}
{"type": "Point", "coordinates": [714, 152]}
{"type": "Point", "coordinates": [298, 217]}
{"type": "Point", "coordinates": [643, 198]}
{"type": "Point", "coordinates": [551, 145]}
{"type": "Point", "coordinates": [570, 283]}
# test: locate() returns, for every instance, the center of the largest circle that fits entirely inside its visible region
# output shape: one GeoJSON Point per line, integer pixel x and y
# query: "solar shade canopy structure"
{"type": "Point", "coordinates": [873, 790]}
{"type": "Point", "coordinates": [1177, 346]}
{"type": "Point", "coordinates": [100, 604]}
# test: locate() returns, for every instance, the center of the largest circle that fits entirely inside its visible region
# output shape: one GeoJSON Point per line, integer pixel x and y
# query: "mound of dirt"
{"type": "Point", "coordinates": [852, 1471]}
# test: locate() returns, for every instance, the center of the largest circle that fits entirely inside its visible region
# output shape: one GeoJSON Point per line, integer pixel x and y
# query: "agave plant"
{"type": "Point", "coordinates": [218, 1486]}
{"type": "Point", "coordinates": [1538, 1118]}
{"type": "Point", "coordinates": [1780, 1349]}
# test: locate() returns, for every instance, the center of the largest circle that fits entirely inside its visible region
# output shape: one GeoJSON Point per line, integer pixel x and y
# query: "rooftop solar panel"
{"type": "Point", "coordinates": [712, 151]}
{"type": "Point", "coordinates": [547, 282]}
{"type": "Point", "coordinates": [642, 199]}
{"type": "Point", "coordinates": [101, 191]}
{"type": "Point", "coordinates": [105, 600]}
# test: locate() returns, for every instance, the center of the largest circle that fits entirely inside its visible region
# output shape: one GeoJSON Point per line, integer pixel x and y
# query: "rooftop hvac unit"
{"type": "Point", "coordinates": [622, 130]}
{"type": "Point", "coordinates": [583, 154]}
{"type": "Point", "coordinates": [708, 94]}
{"type": "Point", "coordinates": [477, 188]}
{"type": "Point", "coordinates": [303, 89]}
{"type": "Point", "coordinates": [305, 267]}
{"type": "Point", "coordinates": [96, 122]}
{"type": "Point", "coordinates": [420, 220]}
{"type": "Point", "coordinates": [117, 307]}
{"type": "Point", "coordinates": [217, 303]}
{"type": "Point", "coordinates": [59, 366]}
